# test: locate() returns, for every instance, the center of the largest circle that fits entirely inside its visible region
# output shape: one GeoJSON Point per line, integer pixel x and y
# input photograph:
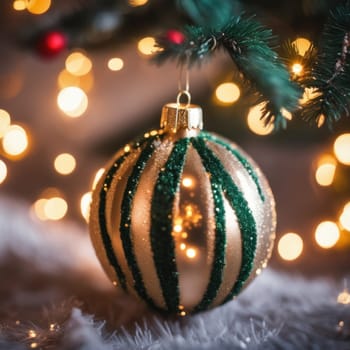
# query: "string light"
{"type": "Point", "coordinates": [327, 234]}
{"type": "Point", "coordinates": [38, 7]}
{"type": "Point", "coordinates": [342, 148]}
{"type": "Point", "coordinates": [255, 123]}
{"type": "Point", "coordinates": [65, 163]}
{"type": "Point", "coordinates": [302, 45]}
{"type": "Point", "coordinates": [72, 101]}
{"type": "Point", "coordinates": [5, 121]}
{"type": "Point", "coordinates": [78, 64]}
{"type": "Point", "coordinates": [15, 141]}
{"type": "Point", "coordinates": [19, 5]}
{"type": "Point", "coordinates": [227, 93]}
{"type": "Point", "coordinates": [85, 203]}
{"type": "Point", "coordinates": [297, 68]}
{"type": "Point", "coordinates": [115, 64]}
{"type": "Point", "coordinates": [146, 46]}
{"type": "Point", "coordinates": [290, 246]}
{"type": "Point", "coordinates": [3, 171]}
{"type": "Point", "coordinates": [325, 171]}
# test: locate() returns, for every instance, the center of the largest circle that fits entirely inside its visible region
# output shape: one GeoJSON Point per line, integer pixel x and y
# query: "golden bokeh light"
{"type": "Point", "coordinates": [3, 171]}
{"type": "Point", "coordinates": [85, 203]}
{"type": "Point", "coordinates": [55, 208]}
{"type": "Point", "coordinates": [115, 64]}
{"type": "Point", "coordinates": [297, 68]}
{"type": "Point", "coordinates": [66, 79]}
{"type": "Point", "coordinates": [38, 7]}
{"type": "Point", "coordinates": [15, 141]}
{"type": "Point", "coordinates": [136, 3]}
{"type": "Point", "coordinates": [344, 220]}
{"type": "Point", "coordinates": [302, 45]}
{"type": "Point", "coordinates": [255, 123]}
{"type": "Point", "coordinates": [146, 46]}
{"type": "Point", "coordinates": [344, 297]}
{"type": "Point", "coordinates": [19, 5]}
{"type": "Point", "coordinates": [65, 163]}
{"type": "Point", "coordinates": [78, 64]}
{"type": "Point", "coordinates": [290, 246]}
{"type": "Point", "coordinates": [72, 101]}
{"type": "Point", "coordinates": [327, 234]}
{"type": "Point", "coordinates": [191, 253]}
{"type": "Point", "coordinates": [187, 182]}
{"type": "Point", "coordinates": [342, 148]}
{"type": "Point", "coordinates": [227, 93]}
{"type": "Point", "coordinates": [39, 209]}
{"type": "Point", "coordinates": [5, 121]}
{"type": "Point", "coordinates": [97, 177]}
{"type": "Point", "coordinates": [325, 174]}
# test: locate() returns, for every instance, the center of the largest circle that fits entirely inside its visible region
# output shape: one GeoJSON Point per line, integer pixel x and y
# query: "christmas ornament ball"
{"type": "Point", "coordinates": [182, 218]}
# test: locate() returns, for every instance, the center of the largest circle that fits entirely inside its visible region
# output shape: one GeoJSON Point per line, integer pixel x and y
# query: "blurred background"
{"type": "Point", "coordinates": [77, 82]}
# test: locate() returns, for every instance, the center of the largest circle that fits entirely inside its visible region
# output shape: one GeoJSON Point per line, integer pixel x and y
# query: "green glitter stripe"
{"type": "Point", "coordinates": [163, 246]}
{"type": "Point", "coordinates": [219, 250]}
{"type": "Point", "coordinates": [125, 222]}
{"type": "Point", "coordinates": [107, 242]}
{"type": "Point", "coordinates": [246, 164]}
{"type": "Point", "coordinates": [239, 204]}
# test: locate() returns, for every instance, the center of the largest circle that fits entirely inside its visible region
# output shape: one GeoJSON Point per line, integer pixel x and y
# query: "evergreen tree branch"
{"type": "Point", "coordinates": [248, 44]}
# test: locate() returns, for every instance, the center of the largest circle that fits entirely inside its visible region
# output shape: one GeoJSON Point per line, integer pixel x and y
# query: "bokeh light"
{"type": "Point", "coordinates": [78, 64]}
{"type": "Point", "coordinates": [136, 3]}
{"type": "Point", "coordinates": [227, 93]}
{"type": "Point", "coordinates": [344, 218]}
{"type": "Point", "coordinates": [302, 45]}
{"type": "Point", "coordinates": [72, 101]}
{"type": "Point", "coordinates": [38, 7]}
{"type": "Point", "coordinates": [342, 148]}
{"type": "Point", "coordinates": [290, 246]}
{"type": "Point", "coordinates": [5, 121]}
{"type": "Point", "coordinates": [187, 182]}
{"type": "Point", "coordinates": [66, 79]}
{"type": "Point", "coordinates": [297, 68]}
{"type": "Point", "coordinates": [65, 163]}
{"type": "Point", "coordinates": [15, 141]}
{"type": "Point", "coordinates": [19, 5]}
{"type": "Point", "coordinates": [325, 171]}
{"type": "Point", "coordinates": [327, 234]}
{"type": "Point", "coordinates": [115, 64]}
{"type": "Point", "coordinates": [255, 123]}
{"type": "Point", "coordinates": [146, 46]}
{"type": "Point", "coordinates": [39, 209]}
{"type": "Point", "coordinates": [85, 203]}
{"type": "Point", "coordinates": [3, 171]}
{"type": "Point", "coordinates": [55, 208]}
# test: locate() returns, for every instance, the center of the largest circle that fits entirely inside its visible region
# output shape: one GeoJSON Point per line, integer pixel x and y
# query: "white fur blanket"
{"type": "Point", "coordinates": [54, 295]}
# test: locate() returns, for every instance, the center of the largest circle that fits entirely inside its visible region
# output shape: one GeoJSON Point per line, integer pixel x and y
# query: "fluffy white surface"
{"type": "Point", "coordinates": [54, 295]}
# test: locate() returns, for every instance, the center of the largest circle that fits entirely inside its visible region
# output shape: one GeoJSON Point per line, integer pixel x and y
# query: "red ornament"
{"type": "Point", "coordinates": [51, 44]}
{"type": "Point", "coordinates": [175, 37]}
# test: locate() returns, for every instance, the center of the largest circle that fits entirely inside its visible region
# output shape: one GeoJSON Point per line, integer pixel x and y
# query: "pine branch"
{"type": "Point", "coordinates": [330, 76]}
{"type": "Point", "coordinates": [248, 44]}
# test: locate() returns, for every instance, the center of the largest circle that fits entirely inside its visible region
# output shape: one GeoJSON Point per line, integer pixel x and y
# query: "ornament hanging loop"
{"type": "Point", "coordinates": [186, 94]}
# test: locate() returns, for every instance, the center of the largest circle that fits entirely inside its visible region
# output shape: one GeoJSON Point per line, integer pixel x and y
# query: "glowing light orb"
{"type": "Point", "coordinates": [38, 7]}
{"type": "Point", "coordinates": [65, 163]}
{"type": "Point", "coordinates": [115, 64]}
{"type": "Point", "coordinates": [15, 141]}
{"type": "Point", "coordinates": [78, 64]}
{"type": "Point", "coordinates": [327, 234]}
{"type": "Point", "coordinates": [5, 121]}
{"type": "Point", "coordinates": [227, 93]}
{"type": "Point", "coordinates": [342, 148]}
{"type": "Point", "coordinates": [146, 46]}
{"type": "Point", "coordinates": [72, 101]}
{"type": "Point", "coordinates": [55, 208]}
{"type": "Point", "coordinates": [290, 246]}
{"type": "Point", "coordinates": [255, 123]}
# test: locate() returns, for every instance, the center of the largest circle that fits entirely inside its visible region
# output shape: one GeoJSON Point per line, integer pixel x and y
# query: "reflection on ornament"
{"type": "Point", "coordinates": [182, 246]}
{"type": "Point", "coordinates": [97, 177]}
{"type": "Point", "coordinates": [85, 203]}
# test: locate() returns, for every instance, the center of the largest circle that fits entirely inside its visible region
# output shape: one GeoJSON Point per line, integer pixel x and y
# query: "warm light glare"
{"type": "Point", "coordinates": [32, 333]}
{"type": "Point", "coordinates": [290, 246]}
{"type": "Point", "coordinates": [85, 203]}
{"type": "Point", "coordinates": [187, 182]}
{"type": "Point", "coordinates": [344, 218]}
{"type": "Point", "coordinates": [55, 208]}
{"type": "Point", "coordinates": [115, 64]}
{"type": "Point", "coordinates": [39, 209]}
{"type": "Point", "coordinates": [342, 148]}
{"type": "Point", "coordinates": [302, 45]}
{"type": "Point", "coordinates": [325, 174]}
{"type": "Point", "coordinates": [178, 228]}
{"type": "Point", "coordinates": [15, 141]}
{"type": "Point", "coordinates": [72, 101]}
{"type": "Point", "coordinates": [227, 93]}
{"type": "Point", "coordinates": [3, 171]}
{"type": "Point", "coordinates": [19, 5]}
{"type": "Point", "coordinates": [255, 123]}
{"type": "Point", "coordinates": [65, 163]}
{"type": "Point", "coordinates": [297, 68]}
{"type": "Point", "coordinates": [327, 234]}
{"type": "Point", "coordinates": [5, 121]}
{"type": "Point", "coordinates": [344, 297]}
{"type": "Point", "coordinates": [191, 253]}
{"type": "Point", "coordinates": [38, 7]}
{"type": "Point", "coordinates": [78, 64]}
{"type": "Point", "coordinates": [97, 177]}
{"type": "Point", "coordinates": [146, 46]}
{"type": "Point", "coordinates": [66, 79]}
{"type": "Point", "coordinates": [136, 3]}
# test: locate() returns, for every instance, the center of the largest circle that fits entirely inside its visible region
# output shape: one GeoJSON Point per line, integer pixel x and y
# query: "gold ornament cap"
{"type": "Point", "coordinates": [177, 116]}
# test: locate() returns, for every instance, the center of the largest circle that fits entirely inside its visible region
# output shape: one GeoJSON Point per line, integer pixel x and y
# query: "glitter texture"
{"type": "Point", "coordinates": [162, 241]}
{"type": "Point", "coordinates": [239, 204]}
